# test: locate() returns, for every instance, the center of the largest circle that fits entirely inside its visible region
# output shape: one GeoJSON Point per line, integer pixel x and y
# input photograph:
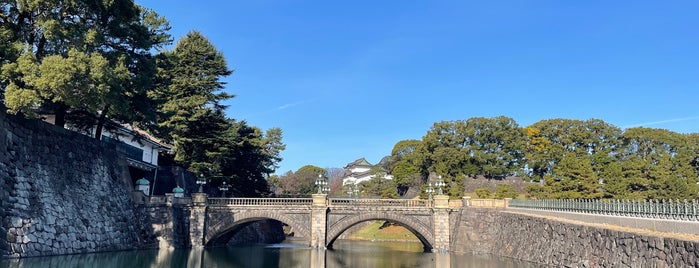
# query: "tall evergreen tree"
{"type": "Point", "coordinates": [191, 115]}
{"type": "Point", "coordinates": [85, 59]}
{"type": "Point", "coordinates": [189, 99]}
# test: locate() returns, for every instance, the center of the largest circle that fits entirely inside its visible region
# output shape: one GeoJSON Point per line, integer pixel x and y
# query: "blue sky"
{"type": "Point", "coordinates": [349, 79]}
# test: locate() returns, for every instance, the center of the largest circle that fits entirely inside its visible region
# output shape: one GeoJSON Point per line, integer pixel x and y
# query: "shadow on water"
{"type": "Point", "coordinates": [345, 254]}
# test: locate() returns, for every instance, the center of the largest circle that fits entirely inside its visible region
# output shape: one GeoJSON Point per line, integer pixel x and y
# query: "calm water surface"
{"type": "Point", "coordinates": [344, 254]}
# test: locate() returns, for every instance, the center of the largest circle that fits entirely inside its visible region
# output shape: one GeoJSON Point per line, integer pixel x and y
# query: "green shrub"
{"type": "Point", "coordinates": [482, 192]}
{"type": "Point", "coordinates": [505, 191]}
{"type": "Point", "coordinates": [535, 191]}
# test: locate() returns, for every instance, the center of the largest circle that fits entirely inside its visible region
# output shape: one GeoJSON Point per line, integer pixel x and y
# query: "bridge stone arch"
{"type": "Point", "coordinates": [421, 227]}
{"type": "Point", "coordinates": [223, 224]}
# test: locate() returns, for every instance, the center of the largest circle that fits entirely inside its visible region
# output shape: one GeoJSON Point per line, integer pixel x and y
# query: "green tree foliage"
{"type": "Point", "coordinates": [244, 157]}
{"type": "Point", "coordinates": [496, 145]}
{"type": "Point", "coordinates": [378, 186]}
{"type": "Point", "coordinates": [92, 61]}
{"type": "Point", "coordinates": [482, 192]}
{"type": "Point", "coordinates": [505, 191]}
{"type": "Point", "coordinates": [406, 165]}
{"type": "Point", "coordinates": [301, 182]}
{"type": "Point", "coordinates": [573, 158]}
{"type": "Point", "coordinates": [550, 140]}
{"type": "Point", "coordinates": [82, 59]}
{"type": "Point", "coordinates": [536, 191]}
{"type": "Point", "coordinates": [485, 146]}
{"type": "Point", "coordinates": [390, 193]}
{"type": "Point", "coordinates": [189, 86]}
{"type": "Point", "coordinates": [457, 187]}
{"type": "Point", "coordinates": [654, 164]}
{"type": "Point", "coordinates": [573, 178]}
{"type": "Point", "coordinates": [406, 175]}
{"type": "Point", "coordinates": [191, 116]}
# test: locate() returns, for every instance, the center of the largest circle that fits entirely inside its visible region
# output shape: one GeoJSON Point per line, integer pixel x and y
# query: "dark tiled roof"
{"type": "Point", "coordinates": [359, 162]}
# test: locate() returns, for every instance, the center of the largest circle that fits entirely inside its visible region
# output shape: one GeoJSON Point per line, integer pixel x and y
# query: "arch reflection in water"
{"type": "Point", "coordinates": [346, 254]}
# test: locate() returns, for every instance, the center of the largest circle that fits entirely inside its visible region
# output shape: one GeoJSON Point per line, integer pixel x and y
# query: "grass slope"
{"type": "Point", "coordinates": [379, 231]}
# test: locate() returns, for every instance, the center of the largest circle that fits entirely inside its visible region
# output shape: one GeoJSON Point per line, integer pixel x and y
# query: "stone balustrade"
{"type": "Point", "coordinates": [354, 202]}
{"type": "Point", "coordinates": [157, 199]}
{"type": "Point", "coordinates": [485, 203]}
{"type": "Point", "coordinates": [259, 201]}
{"type": "Point", "coordinates": [308, 201]}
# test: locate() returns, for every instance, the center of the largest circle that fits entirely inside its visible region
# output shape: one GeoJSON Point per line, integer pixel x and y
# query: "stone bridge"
{"type": "Point", "coordinates": [319, 219]}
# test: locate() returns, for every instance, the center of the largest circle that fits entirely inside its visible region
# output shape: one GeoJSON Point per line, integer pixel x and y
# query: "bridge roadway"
{"type": "Point", "coordinates": [321, 220]}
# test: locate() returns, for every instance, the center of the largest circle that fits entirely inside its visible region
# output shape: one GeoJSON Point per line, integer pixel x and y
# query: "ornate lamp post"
{"type": "Point", "coordinates": [440, 183]}
{"type": "Point", "coordinates": [201, 181]}
{"type": "Point", "coordinates": [429, 191]}
{"type": "Point", "coordinates": [322, 184]}
{"type": "Point", "coordinates": [353, 190]}
{"type": "Point", "coordinates": [224, 189]}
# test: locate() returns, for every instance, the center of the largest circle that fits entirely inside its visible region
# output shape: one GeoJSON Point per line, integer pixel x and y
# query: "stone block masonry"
{"type": "Point", "coordinates": [566, 244]}
{"type": "Point", "coordinates": [61, 192]}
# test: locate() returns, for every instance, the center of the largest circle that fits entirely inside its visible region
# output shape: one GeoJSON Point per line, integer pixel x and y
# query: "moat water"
{"type": "Point", "coordinates": [289, 254]}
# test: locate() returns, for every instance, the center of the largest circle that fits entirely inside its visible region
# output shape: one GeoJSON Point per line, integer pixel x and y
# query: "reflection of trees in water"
{"type": "Point", "coordinates": [377, 254]}
{"type": "Point", "coordinates": [252, 256]}
{"type": "Point", "coordinates": [119, 259]}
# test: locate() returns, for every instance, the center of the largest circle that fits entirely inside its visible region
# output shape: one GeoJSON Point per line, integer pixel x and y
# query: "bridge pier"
{"type": "Point", "coordinates": [441, 224]}
{"type": "Point", "coordinates": [319, 215]}
{"type": "Point", "coordinates": [197, 220]}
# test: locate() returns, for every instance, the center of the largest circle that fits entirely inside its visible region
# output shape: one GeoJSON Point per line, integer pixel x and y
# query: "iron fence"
{"type": "Point", "coordinates": [654, 209]}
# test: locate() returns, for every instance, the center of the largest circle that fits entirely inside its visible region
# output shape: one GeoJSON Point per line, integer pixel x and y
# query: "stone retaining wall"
{"type": "Point", "coordinates": [557, 243]}
{"type": "Point", "coordinates": [164, 226]}
{"type": "Point", "coordinates": [61, 192]}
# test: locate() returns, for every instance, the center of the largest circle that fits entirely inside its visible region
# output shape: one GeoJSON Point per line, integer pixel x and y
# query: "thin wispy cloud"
{"type": "Point", "coordinates": [279, 108]}
{"type": "Point", "coordinates": [662, 122]}
{"type": "Point", "coordinates": [289, 105]}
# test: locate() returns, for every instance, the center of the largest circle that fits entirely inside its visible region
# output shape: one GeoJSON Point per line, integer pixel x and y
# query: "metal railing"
{"type": "Point", "coordinates": [654, 209]}
{"type": "Point", "coordinates": [359, 202]}
{"type": "Point", "coordinates": [259, 201]}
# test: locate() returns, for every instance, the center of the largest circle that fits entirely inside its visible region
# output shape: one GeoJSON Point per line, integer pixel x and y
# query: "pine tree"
{"type": "Point", "coordinates": [80, 60]}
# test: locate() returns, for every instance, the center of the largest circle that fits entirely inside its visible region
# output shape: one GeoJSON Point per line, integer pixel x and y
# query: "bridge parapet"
{"type": "Point", "coordinates": [354, 202]}
{"type": "Point", "coordinates": [260, 201]}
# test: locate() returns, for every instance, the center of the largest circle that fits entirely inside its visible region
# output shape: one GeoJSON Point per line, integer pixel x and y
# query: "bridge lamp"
{"type": "Point", "coordinates": [224, 189]}
{"type": "Point", "coordinates": [322, 184]}
{"type": "Point", "coordinates": [429, 191]}
{"type": "Point", "coordinates": [440, 183]}
{"type": "Point", "coordinates": [352, 189]}
{"type": "Point", "coordinates": [201, 181]}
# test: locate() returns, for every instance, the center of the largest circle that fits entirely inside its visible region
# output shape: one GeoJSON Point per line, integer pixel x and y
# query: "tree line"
{"type": "Point", "coordinates": [563, 158]}
{"type": "Point", "coordinates": [570, 158]}
{"type": "Point", "coordinates": [89, 62]}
